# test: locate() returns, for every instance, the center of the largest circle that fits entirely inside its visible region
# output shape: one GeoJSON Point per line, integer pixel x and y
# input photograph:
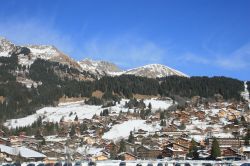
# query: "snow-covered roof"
{"type": "Point", "coordinates": [23, 151]}
{"type": "Point", "coordinates": [28, 153]}
{"type": "Point", "coordinates": [7, 149]}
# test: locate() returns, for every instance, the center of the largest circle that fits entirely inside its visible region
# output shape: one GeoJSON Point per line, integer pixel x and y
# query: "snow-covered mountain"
{"type": "Point", "coordinates": [29, 53]}
{"type": "Point", "coordinates": [155, 71]}
{"type": "Point", "coordinates": [99, 68]}
{"type": "Point", "coordinates": [102, 68]}
{"type": "Point", "coordinates": [53, 54]}
{"type": "Point", "coordinates": [5, 47]}
{"type": "Point", "coordinates": [35, 51]}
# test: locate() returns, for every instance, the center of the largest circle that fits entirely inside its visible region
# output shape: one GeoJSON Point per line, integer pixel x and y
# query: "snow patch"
{"type": "Point", "coordinates": [120, 131]}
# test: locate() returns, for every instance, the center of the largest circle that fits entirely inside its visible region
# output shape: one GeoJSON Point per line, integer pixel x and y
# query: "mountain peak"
{"type": "Point", "coordinates": [5, 47]}
{"type": "Point", "coordinates": [155, 71]}
{"type": "Point", "coordinates": [99, 68]}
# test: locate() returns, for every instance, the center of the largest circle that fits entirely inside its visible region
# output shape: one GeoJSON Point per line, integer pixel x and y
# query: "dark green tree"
{"type": "Point", "coordinates": [122, 147]}
{"type": "Point", "coordinates": [193, 150]}
{"type": "Point", "coordinates": [215, 150]}
{"type": "Point", "coordinates": [131, 137]}
{"type": "Point", "coordinates": [162, 116]}
{"type": "Point", "coordinates": [247, 137]}
{"type": "Point", "coordinates": [72, 131]}
{"type": "Point", "coordinates": [76, 118]}
{"type": "Point", "coordinates": [150, 106]}
{"type": "Point", "coordinates": [163, 123]}
{"type": "Point", "coordinates": [113, 153]}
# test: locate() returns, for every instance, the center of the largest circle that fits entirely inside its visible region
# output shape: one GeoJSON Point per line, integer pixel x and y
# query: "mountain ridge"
{"type": "Point", "coordinates": [97, 67]}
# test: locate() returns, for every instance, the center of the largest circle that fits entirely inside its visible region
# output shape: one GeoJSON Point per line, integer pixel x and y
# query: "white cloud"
{"type": "Point", "coordinates": [190, 57]}
{"type": "Point", "coordinates": [35, 32]}
{"type": "Point", "coordinates": [237, 60]}
{"type": "Point", "coordinates": [124, 50]}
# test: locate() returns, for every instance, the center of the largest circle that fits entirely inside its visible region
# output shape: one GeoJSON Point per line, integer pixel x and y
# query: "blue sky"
{"type": "Point", "coordinates": [197, 37]}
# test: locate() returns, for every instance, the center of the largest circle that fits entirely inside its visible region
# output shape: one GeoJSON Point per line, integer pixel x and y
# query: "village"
{"type": "Point", "coordinates": [174, 133]}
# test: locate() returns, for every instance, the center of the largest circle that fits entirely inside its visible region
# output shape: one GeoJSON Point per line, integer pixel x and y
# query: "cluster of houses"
{"type": "Point", "coordinates": [200, 122]}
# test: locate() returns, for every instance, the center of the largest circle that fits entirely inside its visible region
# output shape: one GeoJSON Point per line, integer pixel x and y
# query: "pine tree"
{"type": "Point", "coordinates": [243, 121]}
{"type": "Point", "coordinates": [162, 116]}
{"type": "Point", "coordinates": [113, 153]}
{"type": "Point", "coordinates": [62, 119]}
{"type": "Point", "coordinates": [163, 123]}
{"type": "Point", "coordinates": [193, 150]}
{"type": "Point", "coordinates": [72, 131]}
{"type": "Point", "coordinates": [131, 137]}
{"type": "Point", "coordinates": [247, 137]}
{"type": "Point", "coordinates": [76, 118]}
{"type": "Point", "coordinates": [122, 146]}
{"type": "Point", "coordinates": [142, 114]}
{"type": "Point", "coordinates": [215, 151]}
{"type": "Point", "coordinates": [83, 128]}
{"type": "Point", "coordinates": [150, 106]}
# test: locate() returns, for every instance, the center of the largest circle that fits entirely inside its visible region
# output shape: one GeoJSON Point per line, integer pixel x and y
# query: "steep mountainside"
{"type": "Point", "coordinates": [53, 54]}
{"type": "Point", "coordinates": [99, 68]}
{"type": "Point", "coordinates": [34, 52]}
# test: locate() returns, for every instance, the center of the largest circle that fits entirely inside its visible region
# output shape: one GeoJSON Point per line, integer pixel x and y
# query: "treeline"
{"type": "Point", "coordinates": [55, 81]}
{"type": "Point", "coordinates": [127, 85]}
{"type": "Point", "coordinates": [7, 66]}
{"type": "Point", "coordinates": [54, 72]}
{"type": "Point", "coordinates": [206, 87]}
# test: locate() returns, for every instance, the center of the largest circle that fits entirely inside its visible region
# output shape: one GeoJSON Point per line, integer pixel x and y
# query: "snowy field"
{"type": "Point", "coordinates": [54, 114]}
{"type": "Point", "coordinates": [122, 130]}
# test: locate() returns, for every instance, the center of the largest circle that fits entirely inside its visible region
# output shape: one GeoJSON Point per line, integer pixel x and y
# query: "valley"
{"type": "Point", "coordinates": [60, 109]}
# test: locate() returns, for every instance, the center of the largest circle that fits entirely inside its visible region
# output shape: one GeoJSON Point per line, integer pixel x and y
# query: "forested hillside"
{"type": "Point", "coordinates": [57, 80]}
{"type": "Point", "coordinates": [201, 86]}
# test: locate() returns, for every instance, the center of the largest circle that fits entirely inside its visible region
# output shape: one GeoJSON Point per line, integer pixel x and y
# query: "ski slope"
{"type": "Point", "coordinates": [63, 110]}
{"type": "Point", "coordinates": [123, 130]}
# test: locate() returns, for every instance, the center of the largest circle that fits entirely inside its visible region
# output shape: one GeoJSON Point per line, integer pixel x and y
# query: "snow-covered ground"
{"type": "Point", "coordinates": [122, 130]}
{"type": "Point", "coordinates": [245, 94]}
{"type": "Point", "coordinates": [158, 104]}
{"type": "Point", "coordinates": [54, 114]}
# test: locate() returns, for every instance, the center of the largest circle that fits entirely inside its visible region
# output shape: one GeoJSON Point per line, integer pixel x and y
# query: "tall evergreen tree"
{"type": "Point", "coordinates": [247, 137]}
{"type": "Point", "coordinates": [150, 106]}
{"type": "Point", "coordinates": [131, 137]}
{"type": "Point", "coordinates": [113, 153]}
{"type": "Point", "coordinates": [72, 131]}
{"type": "Point", "coordinates": [193, 150]}
{"type": "Point", "coordinates": [215, 151]}
{"type": "Point", "coordinates": [122, 146]}
{"type": "Point", "coordinates": [76, 118]}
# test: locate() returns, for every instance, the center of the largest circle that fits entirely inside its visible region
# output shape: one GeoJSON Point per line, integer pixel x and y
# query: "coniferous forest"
{"type": "Point", "coordinates": [18, 100]}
